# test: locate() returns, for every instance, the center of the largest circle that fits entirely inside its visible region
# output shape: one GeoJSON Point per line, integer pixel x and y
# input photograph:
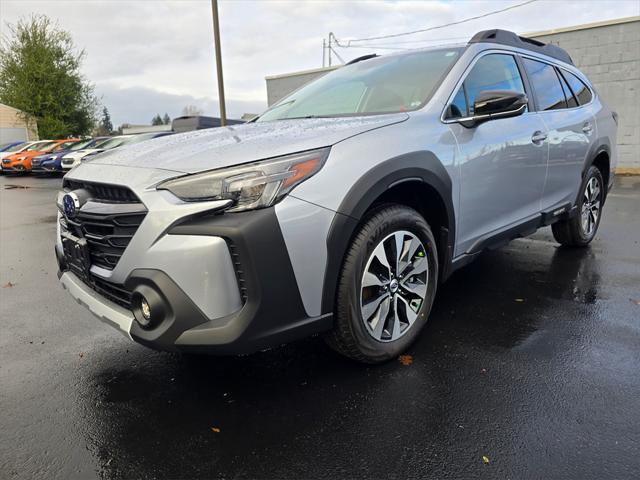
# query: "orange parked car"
{"type": "Point", "coordinates": [21, 162]}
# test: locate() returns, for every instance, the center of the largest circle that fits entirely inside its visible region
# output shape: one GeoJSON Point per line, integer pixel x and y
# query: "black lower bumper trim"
{"type": "Point", "coordinates": [273, 312]}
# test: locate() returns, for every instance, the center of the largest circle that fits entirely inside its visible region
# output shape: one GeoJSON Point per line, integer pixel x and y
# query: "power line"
{"type": "Point", "coordinates": [439, 39]}
{"type": "Point", "coordinates": [394, 35]}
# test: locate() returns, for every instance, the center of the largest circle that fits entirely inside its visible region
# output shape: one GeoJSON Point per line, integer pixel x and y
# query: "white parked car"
{"type": "Point", "coordinates": [74, 158]}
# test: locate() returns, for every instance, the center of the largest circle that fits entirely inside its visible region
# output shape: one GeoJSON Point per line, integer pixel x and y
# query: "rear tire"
{"type": "Point", "coordinates": [394, 291]}
{"type": "Point", "coordinates": [580, 230]}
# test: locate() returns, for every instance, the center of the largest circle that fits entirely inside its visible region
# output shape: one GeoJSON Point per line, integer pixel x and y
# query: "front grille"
{"type": "Point", "coordinates": [116, 293]}
{"type": "Point", "coordinates": [106, 222]}
{"type": "Point", "coordinates": [103, 192]}
{"type": "Point", "coordinates": [107, 235]}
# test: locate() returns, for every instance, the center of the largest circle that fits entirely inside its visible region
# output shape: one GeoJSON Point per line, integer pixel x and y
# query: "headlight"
{"type": "Point", "coordinates": [252, 185]}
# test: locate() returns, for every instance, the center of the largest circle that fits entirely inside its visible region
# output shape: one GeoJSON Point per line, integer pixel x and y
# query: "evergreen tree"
{"type": "Point", "coordinates": [40, 75]}
{"type": "Point", "coordinates": [105, 127]}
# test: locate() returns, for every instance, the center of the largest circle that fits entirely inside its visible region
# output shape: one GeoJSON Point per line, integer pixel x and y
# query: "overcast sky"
{"type": "Point", "coordinates": [155, 56]}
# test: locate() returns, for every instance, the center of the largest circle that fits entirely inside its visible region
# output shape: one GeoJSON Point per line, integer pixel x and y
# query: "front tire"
{"type": "Point", "coordinates": [386, 286]}
{"type": "Point", "coordinates": [579, 230]}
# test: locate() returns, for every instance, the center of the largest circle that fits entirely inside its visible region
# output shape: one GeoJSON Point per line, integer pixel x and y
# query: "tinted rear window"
{"type": "Point", "coordinates": [546, 84]}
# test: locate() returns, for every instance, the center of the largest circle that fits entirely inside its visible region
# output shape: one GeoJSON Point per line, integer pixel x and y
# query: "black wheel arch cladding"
{"type": "Point", "coordinates": [423, 166]}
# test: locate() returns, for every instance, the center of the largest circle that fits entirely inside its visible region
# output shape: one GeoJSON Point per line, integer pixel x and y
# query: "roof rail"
{"type": "Point", "coordinates": [505, 37]}
{"type": "Point", "coordinates": [364, 57]}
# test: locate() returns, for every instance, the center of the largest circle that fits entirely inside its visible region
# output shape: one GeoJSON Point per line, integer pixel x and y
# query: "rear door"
{"type": "Point", "coordinates": [502, 161]}
{"type": "Point", "coordinates": [571, 129]}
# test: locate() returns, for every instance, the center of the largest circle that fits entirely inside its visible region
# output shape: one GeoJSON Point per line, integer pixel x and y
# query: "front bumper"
{"type": "Point", "coordinates": [47, 166]}
{"type": "Point", "coordinates": [15, 167]}
{"type": "Point", "coordinates": [104, 310]}
{"type": "Point", "coordinates": [222, 283]}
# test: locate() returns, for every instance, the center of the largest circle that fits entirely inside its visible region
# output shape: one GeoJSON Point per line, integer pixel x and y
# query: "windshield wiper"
{"type": "Point", "coordinates": [305, 116]}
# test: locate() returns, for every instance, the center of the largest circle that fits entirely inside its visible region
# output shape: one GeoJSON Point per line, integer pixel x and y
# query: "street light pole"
{"type": "Point", "coordinates": [216, 40]}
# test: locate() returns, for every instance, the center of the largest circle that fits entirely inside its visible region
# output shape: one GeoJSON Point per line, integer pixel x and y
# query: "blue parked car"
{"type": "Point", "coordinates": [52, 162]}
{"type": "Point", "coordinates": [6, 146]}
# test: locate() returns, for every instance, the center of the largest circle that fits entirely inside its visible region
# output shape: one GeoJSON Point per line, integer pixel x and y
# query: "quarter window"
{"type": "Point", "coordinates": [495, 71]}
{"type": "Point", "coordinates": [580, 90]}
{"type": "Point", "coordinates": [546, 85]}
{"type": "Point", "coordinates": [458, 107]}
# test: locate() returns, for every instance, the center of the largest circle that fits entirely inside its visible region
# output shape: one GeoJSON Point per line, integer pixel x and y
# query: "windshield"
{"type": "Point", "coordinates": [79, 145]}
{"type": "Point", "coordinates": [141, 137]}
{"type": "Point", "coordinates": [63, 146]}
{"type": "Point", "coordinates": [390, 84]}
{"type": "Point", "coordinates": [15, 148]}
{"type": "Point", "coordinates": [40, 146]}
{"type": "Point", "coordinates": [115, 142]}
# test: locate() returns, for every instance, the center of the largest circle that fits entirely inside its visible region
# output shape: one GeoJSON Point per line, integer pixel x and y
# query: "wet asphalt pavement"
{"type": "Point", "coordinates": [531, 358]}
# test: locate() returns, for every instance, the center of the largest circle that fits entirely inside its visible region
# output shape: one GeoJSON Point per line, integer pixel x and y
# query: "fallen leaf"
{"type": "Point", "coordinates": [519, 300]}
{"type": "Point", "coordinates": [215, 429]}
{"type": "Point", "coordinates": [405, 359]}
{"type": "Point", "coordinates": [8, 285]}
{"type": "Point", "coordinates": [485, 459]}
{"type": "Point", "coordinates": [637, 302]}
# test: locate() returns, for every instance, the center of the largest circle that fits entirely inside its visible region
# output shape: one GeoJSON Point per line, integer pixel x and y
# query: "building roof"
{"type": "Point", "coordinates": [584, 26]}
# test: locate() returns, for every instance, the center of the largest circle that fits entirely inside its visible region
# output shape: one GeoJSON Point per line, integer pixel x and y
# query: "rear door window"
{"type": "Point", "coordinates": [546, 85]}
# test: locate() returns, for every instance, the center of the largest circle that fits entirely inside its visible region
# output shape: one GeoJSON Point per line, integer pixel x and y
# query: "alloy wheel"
{"type": "Point", "coordinates": [394, 286]}
{"type": "Point", "coordinates": [591, 206]}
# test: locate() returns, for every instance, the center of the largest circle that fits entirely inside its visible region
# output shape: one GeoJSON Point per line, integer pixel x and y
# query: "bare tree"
{"type": "Point", "coordinates": [191, 111]}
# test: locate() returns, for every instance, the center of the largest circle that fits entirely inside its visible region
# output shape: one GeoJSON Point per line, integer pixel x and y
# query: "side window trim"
{"type": "Point", "coordinates": [528, 87]}
{"type": "Point", "coordinates": [466, 96]}
{"type": "Point", "coordinates": [465, 74]}
{"type": "Point", "coordinates": [564, 92]}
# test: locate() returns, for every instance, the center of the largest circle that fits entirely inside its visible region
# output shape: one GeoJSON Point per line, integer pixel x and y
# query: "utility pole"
{"type": "Point", "coordinates": [216, 41]}
{"type": "Point", "coordinates": [324, 49]}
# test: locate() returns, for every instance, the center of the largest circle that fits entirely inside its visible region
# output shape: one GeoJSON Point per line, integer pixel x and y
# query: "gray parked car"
{"type": "Point", "coordinates": [341, 208]}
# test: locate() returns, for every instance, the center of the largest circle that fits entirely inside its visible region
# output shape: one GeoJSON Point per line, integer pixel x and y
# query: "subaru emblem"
{"type": "Point", "coordinates": [70, 204]}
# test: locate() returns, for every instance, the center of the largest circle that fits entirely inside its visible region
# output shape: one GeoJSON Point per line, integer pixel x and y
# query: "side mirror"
{"type": "Point", "coordinates": [505, 102]}
{"type": "Point", "coordinates": [492, 104]}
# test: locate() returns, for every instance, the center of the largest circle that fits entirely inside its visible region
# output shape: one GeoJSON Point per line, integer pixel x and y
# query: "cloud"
{"type": "Point", "coordinates": [166, 46]}
{"type": "Point", "coordinates": [137, 105]}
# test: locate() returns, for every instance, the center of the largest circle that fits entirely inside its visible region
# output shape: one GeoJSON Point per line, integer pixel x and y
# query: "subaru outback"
{"type": "Point", "coordinates": [340, 209]}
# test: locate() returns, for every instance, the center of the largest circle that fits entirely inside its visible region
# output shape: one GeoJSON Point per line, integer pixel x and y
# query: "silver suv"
{"type": "Point", "coordinates": [342, 207]}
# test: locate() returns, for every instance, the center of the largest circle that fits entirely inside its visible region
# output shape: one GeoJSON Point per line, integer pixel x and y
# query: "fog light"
{"type": "Point", "coordinates": [145, 309]}
{"type": "Point", "coordinates": [148, 307]}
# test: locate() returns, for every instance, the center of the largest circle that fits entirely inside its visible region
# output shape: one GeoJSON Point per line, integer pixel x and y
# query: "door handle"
{"type": "Point", "coordinates": [538, 137]}
{"type": "Point", "coordinates": [587, 127]}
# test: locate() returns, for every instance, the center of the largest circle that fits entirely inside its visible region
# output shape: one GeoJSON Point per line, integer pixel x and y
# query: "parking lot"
{"type": "Point", "coordinates": [531, 359]}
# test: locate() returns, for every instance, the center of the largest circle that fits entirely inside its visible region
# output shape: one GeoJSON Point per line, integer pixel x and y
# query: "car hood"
{"type": "Point", "coordinates": [226, 146]}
